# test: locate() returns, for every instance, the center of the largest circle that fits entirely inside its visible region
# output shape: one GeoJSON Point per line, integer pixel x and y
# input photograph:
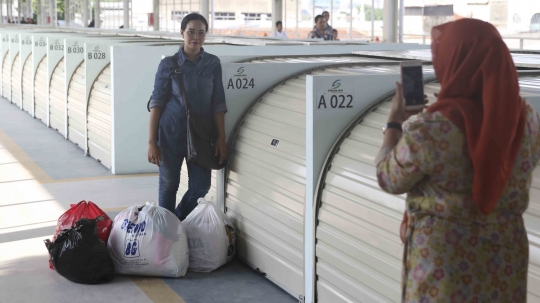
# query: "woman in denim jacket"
{"type": "Point", "coordinates": [167, 147]}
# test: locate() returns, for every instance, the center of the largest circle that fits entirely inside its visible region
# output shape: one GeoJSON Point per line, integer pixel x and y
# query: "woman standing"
{"type": "Point", "coordinates": [466, 166]}
{"type": "Point", "coordinates": [167, 147]}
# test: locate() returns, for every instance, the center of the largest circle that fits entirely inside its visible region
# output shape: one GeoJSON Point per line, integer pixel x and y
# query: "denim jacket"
{"type": "Point", "coordinates": [204, 91]}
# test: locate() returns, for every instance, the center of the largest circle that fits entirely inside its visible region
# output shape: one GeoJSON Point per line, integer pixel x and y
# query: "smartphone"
{"type": "Point", "coordinates": [413, 84]}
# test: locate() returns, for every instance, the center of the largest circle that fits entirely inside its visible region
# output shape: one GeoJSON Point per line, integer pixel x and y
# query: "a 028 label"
{"type": "Point", "coordinates": [239, 78]}
{"type": "Point", "coordinates": [336, 94]}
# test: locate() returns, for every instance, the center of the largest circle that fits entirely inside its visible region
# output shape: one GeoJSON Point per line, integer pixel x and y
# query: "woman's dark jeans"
{"type": "Point", "coordinates": [169, 180]}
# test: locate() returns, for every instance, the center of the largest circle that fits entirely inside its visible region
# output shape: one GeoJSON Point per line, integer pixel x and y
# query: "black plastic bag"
{"type": "Point", "coordinates": [80, 256]}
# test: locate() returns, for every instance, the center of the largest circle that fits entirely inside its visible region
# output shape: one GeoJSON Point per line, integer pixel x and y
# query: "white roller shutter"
{"type": "Point", "coordinates": [99, 119]}
{"type": "Point", "coordinates": [57, 99]}
{"type": "Point", "coordinates": [76, 106]}
{"type": "Point", "coordinates": [27, 85]}
{"type": "Point", "coordinates": [16, 80]}
{"type": "Point", "coordinates": [40, 91]}
{"type": "Point", "coordinates": [358, 249]}
{"type": "Point", "coordinates": [266, 181]}
{"type": "Point", "coordinates": [6, 84]}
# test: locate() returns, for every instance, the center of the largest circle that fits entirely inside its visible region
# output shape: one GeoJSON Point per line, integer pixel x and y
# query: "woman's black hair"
{"type": "Point", "coordinates": [318, 17]}
{"type": "Point", "coordinates": [191, 17]}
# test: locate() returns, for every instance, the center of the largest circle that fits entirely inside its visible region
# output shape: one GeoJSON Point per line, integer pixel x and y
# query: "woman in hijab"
{"type": "Point", "coordinates": [466, 165]}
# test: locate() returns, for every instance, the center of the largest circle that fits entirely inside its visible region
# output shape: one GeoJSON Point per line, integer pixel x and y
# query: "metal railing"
{"type": "Point", "coordinates": [520, 39]}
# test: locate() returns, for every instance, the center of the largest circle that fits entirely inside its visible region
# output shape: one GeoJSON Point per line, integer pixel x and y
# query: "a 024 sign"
{"type": "Point", "coordinates": [239, 78]}
{"type": "Point", "coordinates": [337, 94]}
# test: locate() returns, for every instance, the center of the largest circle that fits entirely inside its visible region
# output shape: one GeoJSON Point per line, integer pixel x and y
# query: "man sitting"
{"type": "Point", "coordinates": [319, 30]}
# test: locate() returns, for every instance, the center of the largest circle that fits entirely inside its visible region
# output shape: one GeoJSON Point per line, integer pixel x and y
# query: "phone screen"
{"type": "Point", "coordinates": [413, 85]}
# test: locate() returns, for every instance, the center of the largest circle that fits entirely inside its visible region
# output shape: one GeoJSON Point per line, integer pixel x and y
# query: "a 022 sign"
{"type": "Point", "coordinates": [337, 94]}
{"type": "Point", "coordinates": [240, 78]}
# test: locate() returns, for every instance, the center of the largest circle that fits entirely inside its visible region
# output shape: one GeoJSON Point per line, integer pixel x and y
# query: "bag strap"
{"type": "Point", "coordinates": [180, 81]}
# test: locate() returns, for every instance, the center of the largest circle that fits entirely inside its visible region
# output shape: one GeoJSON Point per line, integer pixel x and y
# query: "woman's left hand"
{"type": "Point", "coordinates": [221, 149]}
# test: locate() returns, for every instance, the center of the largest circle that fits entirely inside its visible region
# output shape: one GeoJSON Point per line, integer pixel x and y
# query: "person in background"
{"type": "Point", "coordinates": [167, 146]}
{"type": "Point", "coordinates": [329, 29]}
{"type": "Point", "coordinates": [466, 165]}
{"type": "Point", "coordinates": [335, 34]}
{"type": "Point", "coordinates": [279, 30]}
{"type": "Point", "coordinates": [319, 32]}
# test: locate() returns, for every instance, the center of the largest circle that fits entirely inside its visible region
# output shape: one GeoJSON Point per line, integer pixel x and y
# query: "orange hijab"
{"type": "Point", "coordinates": [480, 95]}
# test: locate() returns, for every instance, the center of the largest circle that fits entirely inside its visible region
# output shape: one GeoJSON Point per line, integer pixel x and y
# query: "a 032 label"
{"type": "Point", "coordinates": [335, 94]}
{"type": "Point", "coordinates": [239, 78]}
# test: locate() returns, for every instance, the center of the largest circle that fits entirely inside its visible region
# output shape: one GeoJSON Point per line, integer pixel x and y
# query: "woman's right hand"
{"type": "Point", "coordinates": [154, 153]}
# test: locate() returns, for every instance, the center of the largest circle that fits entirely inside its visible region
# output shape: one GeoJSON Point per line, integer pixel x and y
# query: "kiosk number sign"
{"type": "Point", "coordinates": [239, 78]}
{"type": "Point", "coordinates": [335, 94]}
{"type": "Point", "coordinates": [97, 54]}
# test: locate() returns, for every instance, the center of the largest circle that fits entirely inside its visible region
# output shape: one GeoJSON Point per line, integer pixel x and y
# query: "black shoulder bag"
{"type": "Point", "coordinates": [202, 134]}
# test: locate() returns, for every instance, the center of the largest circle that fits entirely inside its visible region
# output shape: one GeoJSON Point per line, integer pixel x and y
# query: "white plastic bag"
{"type": "Point", "coordinates": [211, 237]}
{"type": "Point", "coordinates": [149, 241]}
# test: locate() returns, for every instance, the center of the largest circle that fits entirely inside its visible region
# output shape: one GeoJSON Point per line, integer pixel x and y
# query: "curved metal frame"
{"type": "Point", "coordinates": [313, 56]}
{"type": "Point", "coordinates": [345, 134]}
{"type": "Point", "coordinates": [249, 108]}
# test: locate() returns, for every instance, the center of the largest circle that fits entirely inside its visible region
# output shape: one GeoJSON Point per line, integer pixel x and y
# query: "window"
{"type": "Point", "coordinates": [256, 16]}
{"type": "Point", "coordinates": [439, 10]}
{"type": "Point", "coordinates": [535, 23]}
{"type": "Point", "coordinates": [179, 15]}
{"type": "Point", "coordinates": [224, 16]}
{"type": "Point", "coordinates": [413, 11]}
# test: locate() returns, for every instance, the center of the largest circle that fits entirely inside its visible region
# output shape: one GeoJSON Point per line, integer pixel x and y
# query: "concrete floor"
{"type": "Point", "coordinates": [41, 174]}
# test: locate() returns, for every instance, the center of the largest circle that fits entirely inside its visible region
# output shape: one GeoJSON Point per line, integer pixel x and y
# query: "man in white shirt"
{"type": "Point", "coordinates": [279, 30]}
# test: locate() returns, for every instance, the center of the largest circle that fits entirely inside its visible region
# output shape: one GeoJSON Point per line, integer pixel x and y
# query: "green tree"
{"type": "Point", "coordinates": [59, 9]}
{"type": "Point", "coordinates": [378, 13]}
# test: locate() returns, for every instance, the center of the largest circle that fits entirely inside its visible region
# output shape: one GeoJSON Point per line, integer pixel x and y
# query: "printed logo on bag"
{"type": "Point", "coordinates": [132, 227]}
{"type": "Point", "coordinates": [133, 232]}
{"type": "Point", "coordinates": [195, 243]}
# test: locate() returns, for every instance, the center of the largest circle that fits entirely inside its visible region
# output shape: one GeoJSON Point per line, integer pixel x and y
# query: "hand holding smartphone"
{"type": "Point", "coordinates": [413, 84]}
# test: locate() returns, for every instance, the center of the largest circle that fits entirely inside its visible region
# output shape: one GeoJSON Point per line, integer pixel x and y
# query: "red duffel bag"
{"type": "Point", "coordinates": [87, 210]}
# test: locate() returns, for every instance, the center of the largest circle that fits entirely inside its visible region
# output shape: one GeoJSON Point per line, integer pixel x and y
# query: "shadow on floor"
{"type": "Point", "coordinates": [234, 282]}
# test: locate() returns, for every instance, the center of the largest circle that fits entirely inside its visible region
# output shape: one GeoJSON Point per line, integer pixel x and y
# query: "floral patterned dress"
{"type": "Point", "coordinates": [453, 252]}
